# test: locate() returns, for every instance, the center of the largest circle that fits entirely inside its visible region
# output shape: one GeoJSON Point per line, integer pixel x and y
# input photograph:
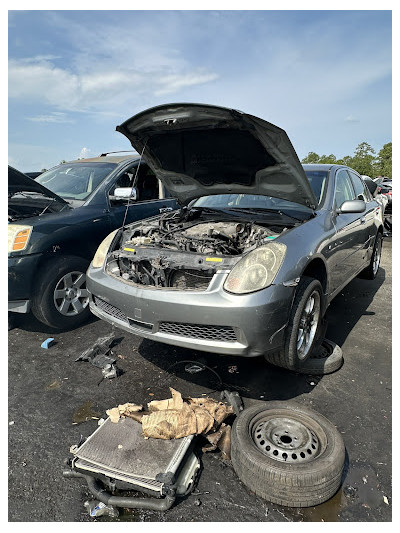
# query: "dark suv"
{"type": "Point", "coordinates": [57, 222]}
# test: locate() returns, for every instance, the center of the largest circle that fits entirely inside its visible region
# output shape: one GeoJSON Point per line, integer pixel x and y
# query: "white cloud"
{"type": "Point", "coordinates": [55, 118]}
{"type": "Point", "coordinates": [351, 118]}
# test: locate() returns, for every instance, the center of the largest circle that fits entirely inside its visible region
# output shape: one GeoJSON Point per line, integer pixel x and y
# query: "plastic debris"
{"type": "Point", "coordinates": [109, 371]}
{"type": "Point", "coordinates": [96, 508]}
{"type": "Point", "coordinates": [48, 343]}
{"type": "Point", "coordinates": [386, 500]}
{"type": "Point", "coordinates": [193, 368]}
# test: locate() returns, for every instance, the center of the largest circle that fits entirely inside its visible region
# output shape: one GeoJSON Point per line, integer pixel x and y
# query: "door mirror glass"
{"type": "Point", "coordinates": [352, 206]}
{"type": "Point", "coordinates": [122, 193]}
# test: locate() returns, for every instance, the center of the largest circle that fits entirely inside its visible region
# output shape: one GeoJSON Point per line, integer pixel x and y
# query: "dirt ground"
{"type": "Point", "coordinates": [53, 401]}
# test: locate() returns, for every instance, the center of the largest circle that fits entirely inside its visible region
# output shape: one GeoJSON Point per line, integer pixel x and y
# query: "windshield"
{"type": "Point", "coordinates": [248, 201]}
{"type": "Point", "coordinates": [75, 181]}
{"type": "Point", "coordinates": [318, 180]}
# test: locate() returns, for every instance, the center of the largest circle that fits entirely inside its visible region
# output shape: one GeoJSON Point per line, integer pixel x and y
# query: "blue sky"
{"type": "Point", "coordinates": [323, 76]}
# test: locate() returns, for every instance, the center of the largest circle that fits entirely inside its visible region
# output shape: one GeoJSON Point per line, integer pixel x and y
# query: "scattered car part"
{"type": "Point", "coordinates": [117, 457]}
{"type": "Point", "coordinates": [48, 343]}
{"type": "Point", "coordinates": [97, 353]}
{"type": "Point", "coordinates": [97, 508]}
{"type": "Point", "coordinates": [326, 359]}
{"type": "Point", "coordinates": [234, 399]}
{"type": "Point", "coordinates": [287, 453]}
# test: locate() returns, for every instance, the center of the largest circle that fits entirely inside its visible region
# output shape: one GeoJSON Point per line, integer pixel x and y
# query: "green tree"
{"type": "Point", "coordinates": [62, 161]}
{"type": "Point", "coordinates": [311, 157]}
{"type": "Point", "coordinates": [364, 159]}
{"type": "Point", "coordinates": [384, 161]}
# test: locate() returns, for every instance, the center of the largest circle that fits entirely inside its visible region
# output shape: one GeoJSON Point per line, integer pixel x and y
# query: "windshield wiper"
{"type": "Point", "coordinates": [254, 210]}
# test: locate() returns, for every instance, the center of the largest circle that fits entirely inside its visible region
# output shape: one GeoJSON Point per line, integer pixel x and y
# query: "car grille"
{"type": "Point", "coordinates": [110, 309]}
{"type": "Point", "coordinates": [190, 280]}
{"type": "Point", "coordinates": [198, 331]}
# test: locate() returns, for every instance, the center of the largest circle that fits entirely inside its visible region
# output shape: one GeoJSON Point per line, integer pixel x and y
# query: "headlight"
{"type": "Point", "coordinates": [257, 270]}
{"type": "Point", "coordinates": [18, 237]}
{"type": "Point", "coordinates": [100, 255]}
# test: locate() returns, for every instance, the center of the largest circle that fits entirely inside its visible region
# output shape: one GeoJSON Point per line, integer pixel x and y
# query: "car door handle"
{"type": "Point", "coordinates": [363, 220]}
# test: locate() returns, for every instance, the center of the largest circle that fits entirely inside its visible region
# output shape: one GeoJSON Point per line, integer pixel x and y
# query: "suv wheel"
{"type": "Point", "coordinates": [62, 299]}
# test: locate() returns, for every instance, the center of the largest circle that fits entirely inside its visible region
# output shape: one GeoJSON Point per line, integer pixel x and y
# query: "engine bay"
{"type": "Point", "coordinates": [178, 252]}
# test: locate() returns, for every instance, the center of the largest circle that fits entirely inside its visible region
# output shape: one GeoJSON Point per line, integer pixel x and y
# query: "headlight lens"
{"type": "Point", "coordinates": [18, 237]}
{"type": "Point", "coordinates": [100, 255]}
{"type": "Point", "coordinates": [257, 270]}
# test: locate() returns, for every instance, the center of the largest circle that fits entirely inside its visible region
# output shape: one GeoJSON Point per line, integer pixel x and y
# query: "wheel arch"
{"type": "Point", "coordinates": [316, 269]}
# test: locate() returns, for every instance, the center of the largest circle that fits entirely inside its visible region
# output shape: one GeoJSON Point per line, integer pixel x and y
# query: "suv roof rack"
{"type": "Point", "coordinates": [117, 152]}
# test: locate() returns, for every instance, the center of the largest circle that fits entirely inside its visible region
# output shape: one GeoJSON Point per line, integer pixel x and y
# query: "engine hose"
{"type": "Point", "coordinates": [99, 492]}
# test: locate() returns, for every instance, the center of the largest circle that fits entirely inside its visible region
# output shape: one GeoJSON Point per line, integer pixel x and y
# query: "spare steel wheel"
{"type": "Point", "coordinates": [287, 454]}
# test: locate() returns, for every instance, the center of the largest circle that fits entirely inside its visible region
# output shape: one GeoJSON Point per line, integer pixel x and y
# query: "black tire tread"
{"type": "Point", "coordinates": [280, 357]}
{"type": "Point", "coordinates": [294, 485]}
{"type": "Point", "coordinates": [41, 309]}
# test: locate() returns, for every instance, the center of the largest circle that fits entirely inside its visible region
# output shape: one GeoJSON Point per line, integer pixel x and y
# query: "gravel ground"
{"type": "Point", "coordinates": [54, 400]}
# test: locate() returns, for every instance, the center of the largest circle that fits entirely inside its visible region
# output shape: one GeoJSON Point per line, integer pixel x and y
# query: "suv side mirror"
{"type": "Point", "coordinates": [121, 193]}
{"type": "Point", "coordinates": [352, 206]}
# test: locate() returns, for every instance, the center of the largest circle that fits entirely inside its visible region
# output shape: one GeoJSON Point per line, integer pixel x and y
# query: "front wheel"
{"type": "Point", "coordinates": [303, 326]}
{"type": "Point", "coordinates": [61, 298]}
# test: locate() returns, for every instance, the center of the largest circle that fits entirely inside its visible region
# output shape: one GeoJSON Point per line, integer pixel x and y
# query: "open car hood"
{"type": "Point", "coordinates": [199, 150]}
{"type": "Point", "coordinates": [19, 182]}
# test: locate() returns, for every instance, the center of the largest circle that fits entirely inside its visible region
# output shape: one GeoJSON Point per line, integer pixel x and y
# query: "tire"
{"type": "Point", "coordinates": [372, 269]}
{"type": "Point", "coordinates": [290, 356]}
{"type": "Point", "coordinates": [67, 276]}
{"type": "Point", "coordinates": [287, 429]}
{"type": "Point", "coordinates": [324, 360]}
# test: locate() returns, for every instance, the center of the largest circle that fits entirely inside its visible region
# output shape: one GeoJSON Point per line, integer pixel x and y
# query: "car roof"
{"type": "Point", "coordinates": [107, 159]}
{"type": "Point", "coordinates": [322, 166]}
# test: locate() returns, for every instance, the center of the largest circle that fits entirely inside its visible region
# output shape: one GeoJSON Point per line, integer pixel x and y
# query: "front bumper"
{"type": "Point", "coordinates": [212, 320]}
{"type": "Point", "coordinates": [22, 271]}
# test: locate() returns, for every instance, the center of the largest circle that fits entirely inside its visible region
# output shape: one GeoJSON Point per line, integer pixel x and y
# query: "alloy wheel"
{"type": "Point", "coordinates": [71, 296]}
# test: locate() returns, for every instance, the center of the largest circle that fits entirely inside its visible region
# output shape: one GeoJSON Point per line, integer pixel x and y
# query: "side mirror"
{"type": "Point", "coordinates": [352, 206]}
{"type": "Point", "coordinates": [125, 192]}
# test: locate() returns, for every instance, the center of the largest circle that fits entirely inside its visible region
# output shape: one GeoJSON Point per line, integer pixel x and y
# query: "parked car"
{"type": "Point", "coordinates": [56, 223]}
{"type": "Point", "coordinates": [386, 191]}
{"type": "Point", "coordinates": [375, 189]}
{"type": "Point", "coordinates": [258, 250]}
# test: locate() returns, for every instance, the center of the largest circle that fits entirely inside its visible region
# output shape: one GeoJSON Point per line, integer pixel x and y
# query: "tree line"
{"type": "Point", "coordinates": [365, 160]}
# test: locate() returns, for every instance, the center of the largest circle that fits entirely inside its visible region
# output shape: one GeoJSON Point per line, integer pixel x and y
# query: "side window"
{"type": "Point", "coordinates": [145, 181]}
{"type": "Point", "coordinates": [358, 187]}
{"type": "Point", "coordinates": [147, 185]}
{"type": "Point", "coordinates": [344, 190]}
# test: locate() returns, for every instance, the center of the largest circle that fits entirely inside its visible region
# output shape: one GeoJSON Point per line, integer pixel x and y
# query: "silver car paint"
{"type": "Point", "coordinates": [259, 318]}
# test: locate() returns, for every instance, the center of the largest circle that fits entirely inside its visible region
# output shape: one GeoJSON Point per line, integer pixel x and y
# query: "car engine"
{"type": "Point", "coordinates": [172, 253]}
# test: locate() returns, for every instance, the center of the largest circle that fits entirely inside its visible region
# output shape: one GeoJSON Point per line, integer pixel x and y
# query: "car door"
{"type": "Point", "coordinates": [349, 231]}
{"type": "Point", "coordinates": [151, 198]}
{"type": "Point", "coordinates": [367, 220]}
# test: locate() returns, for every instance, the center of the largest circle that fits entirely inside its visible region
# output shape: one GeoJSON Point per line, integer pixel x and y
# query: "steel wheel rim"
{"type": "Point", "coordinates": [286, 439]}
{"type": "Point", "coordinates": [71, 296]}
{"type": "Point", "coordinates": [308, 325]}
{"type": "Point", "coordinates": [377, 256]}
